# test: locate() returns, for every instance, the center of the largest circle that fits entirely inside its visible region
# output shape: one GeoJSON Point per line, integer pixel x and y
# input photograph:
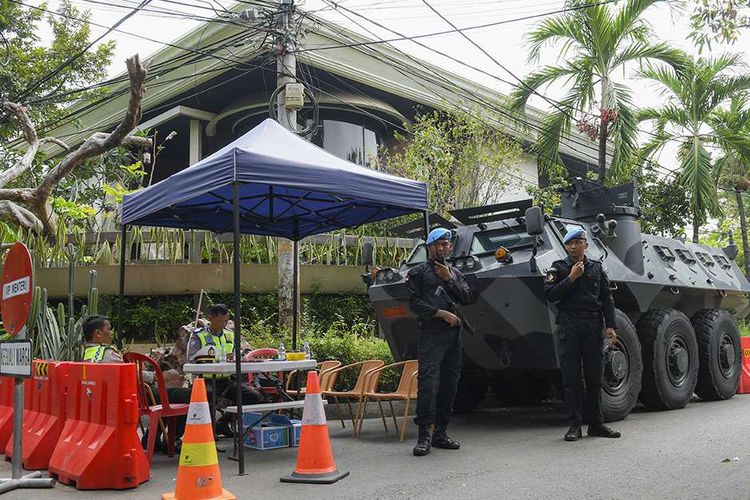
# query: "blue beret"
{"type": "Point", "coordinates": [439, 233]}
{"type": "Point", "coordinates": [574, 234]}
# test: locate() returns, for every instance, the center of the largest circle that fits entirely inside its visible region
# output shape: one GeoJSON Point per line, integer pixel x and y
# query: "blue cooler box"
{"type": "Point", "coordinates": [265, 435]}
{"type": "Point", "coordinates": [294, 426]}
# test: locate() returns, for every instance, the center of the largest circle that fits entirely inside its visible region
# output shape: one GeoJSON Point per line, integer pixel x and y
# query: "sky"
{"type": "Point", "coordinates": [505, 43]}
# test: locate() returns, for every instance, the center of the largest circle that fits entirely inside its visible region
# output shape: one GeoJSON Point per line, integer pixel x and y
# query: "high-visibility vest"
{"type": "Point", "coordinates": [95, 354]}
{"type": "Point", "coordinates": [225, 340]}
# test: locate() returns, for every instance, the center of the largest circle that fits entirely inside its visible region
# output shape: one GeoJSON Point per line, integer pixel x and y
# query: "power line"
{"type": "Point", "coordinates": [411, 38]}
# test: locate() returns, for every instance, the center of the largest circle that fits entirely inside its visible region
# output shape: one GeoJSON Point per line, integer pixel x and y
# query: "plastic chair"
{"type": "Point", "coordinates": [360, 387]}
{"type": "Point", "coordinates": [261, 354]}
{"type": "Point", "coordinates": [406, 391]}
{"type": "Point", "coordinates": [166, 411]}
{"type": "Point", "coordinates": [326, 381]}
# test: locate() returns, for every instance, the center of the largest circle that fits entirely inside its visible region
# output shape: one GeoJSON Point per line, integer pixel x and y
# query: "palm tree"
{"type": "Point", "coordinates": [732, 170]}
{"type": "Point", "coordinates": [692, 118]}
{"type": "Point", "coordinates": [596, 41]}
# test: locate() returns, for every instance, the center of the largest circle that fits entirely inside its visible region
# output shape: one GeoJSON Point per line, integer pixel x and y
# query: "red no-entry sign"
{"type": "Point", "coordinates": [17, 288]}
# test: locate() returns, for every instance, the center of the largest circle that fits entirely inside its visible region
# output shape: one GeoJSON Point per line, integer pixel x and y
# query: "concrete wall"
{"type": "Point", "coordinates": [179, 279]}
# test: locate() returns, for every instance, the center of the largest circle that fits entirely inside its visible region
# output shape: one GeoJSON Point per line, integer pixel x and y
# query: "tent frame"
{"type": "Point", "coordinates": [237, 297]}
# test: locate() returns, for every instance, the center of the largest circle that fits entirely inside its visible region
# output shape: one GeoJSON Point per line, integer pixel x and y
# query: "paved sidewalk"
{"type": "Point", "coordinates": [506, 453]}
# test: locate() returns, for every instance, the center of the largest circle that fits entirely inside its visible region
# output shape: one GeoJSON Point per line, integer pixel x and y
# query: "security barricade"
{"type": "Point", "coordinates": [744, 386]}
{"type": "Point", "coordinates": [6, 410]}
{"type": "Point", "coordinates": [99, 446]}
{"type": "Point", "coordinates": [43, 413]}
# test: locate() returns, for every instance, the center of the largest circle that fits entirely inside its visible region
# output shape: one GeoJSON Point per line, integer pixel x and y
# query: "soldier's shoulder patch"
{"type": "Point", "coordinates": [551, 273]}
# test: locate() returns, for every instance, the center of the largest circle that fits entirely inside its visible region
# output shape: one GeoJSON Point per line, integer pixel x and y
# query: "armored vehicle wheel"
{"type": "Point", "coordinates": [470, 393]}
{"type": "Point", "coordinates": [525, 391]}
{"type": "Point", "coordinates": [623, 368]}
{"type": "Point", "coordinates": [720, 354]}
{"type": "Point", "coordinates": [670, 359]}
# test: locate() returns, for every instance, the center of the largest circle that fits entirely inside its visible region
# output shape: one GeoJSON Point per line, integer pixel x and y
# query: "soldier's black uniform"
{"type": "Point", "coordinates": [584, 305]}
{"type": "Point", "coordinates": [438, 343]}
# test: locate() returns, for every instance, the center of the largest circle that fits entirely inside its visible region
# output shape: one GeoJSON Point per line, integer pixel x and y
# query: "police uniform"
{"type": "Point", "coordinates": [101, 353]}
{"type": "Point", "coordinates": [223, 383]}
{"type": "Point", "coordinates": [438, 347]}
{"type": "Point", "coordinates": [585, 307]}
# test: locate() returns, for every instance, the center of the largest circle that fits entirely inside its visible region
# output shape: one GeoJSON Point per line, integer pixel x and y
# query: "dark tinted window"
{"type": "Point", "coordinates": [489, 241]}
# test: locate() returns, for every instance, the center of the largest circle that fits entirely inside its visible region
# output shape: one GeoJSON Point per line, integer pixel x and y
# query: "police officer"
{"type": "Point", "coordinates": [580, 288]}
{"type": "Point", "coordinates": [97, 337]}
{"type": "Point", "coordinates": [218, 335]}
{"type": "Point", "coordinates": [438, 343]}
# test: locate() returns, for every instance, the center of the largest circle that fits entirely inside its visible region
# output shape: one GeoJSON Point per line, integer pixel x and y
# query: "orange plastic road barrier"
{"type": "Point", "coordinates": [198, 475]}
{"type": "Point", "coordinates": [99, 447]}
{"type": "Point", "coordinates": [744, 387]}
{"type": "Point", "coordinates": [6, 410]}
{"type": "Point", "coordinates": [43, 414]}
{"type": "Point", "coordinates": [315, 457]}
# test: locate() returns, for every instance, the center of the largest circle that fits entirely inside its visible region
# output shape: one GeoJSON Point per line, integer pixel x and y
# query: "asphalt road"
{"type": "Point", "coordinates": [506, 453]}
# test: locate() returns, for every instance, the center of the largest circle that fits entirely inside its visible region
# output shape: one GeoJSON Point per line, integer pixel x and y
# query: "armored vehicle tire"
{"type": "Point", "coordinates": [470, 393]}
{"type": "Point", "coordinates": [623, 367]}
{"type": "Point", "coordinates": [720, 354]}
{"type": "Point", "coordinates": [670, 359]}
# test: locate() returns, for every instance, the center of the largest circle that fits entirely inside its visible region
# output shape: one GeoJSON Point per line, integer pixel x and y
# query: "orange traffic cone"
{"type": "Point", "coordinates": [315, 458]}
{"type": "Point", "coordinates": [198, 475]}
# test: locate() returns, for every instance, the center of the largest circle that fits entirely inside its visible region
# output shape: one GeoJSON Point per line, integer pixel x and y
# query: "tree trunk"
{"type": "Point", "coordinates": [603, 122]}
{"type": "Point", "coordinates": [743, 230]}
{"type": "Point", "coordinates": [285, 293]}
{"type": "Point", "coordinates": [696, 229]}
{"type": "Point", "coordinates": [602, 149]}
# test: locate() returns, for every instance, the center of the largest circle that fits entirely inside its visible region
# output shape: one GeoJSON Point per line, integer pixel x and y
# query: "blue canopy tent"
{"type": "Point", "coordinates": [270, 182]}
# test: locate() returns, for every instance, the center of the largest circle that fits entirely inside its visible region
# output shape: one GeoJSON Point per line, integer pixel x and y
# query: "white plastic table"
{"type": "Point", "coordinates": [230, 368]}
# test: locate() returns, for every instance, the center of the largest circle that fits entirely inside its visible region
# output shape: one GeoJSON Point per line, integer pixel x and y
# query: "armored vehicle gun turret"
{"type": "Point", "coordinates": [676, 301]}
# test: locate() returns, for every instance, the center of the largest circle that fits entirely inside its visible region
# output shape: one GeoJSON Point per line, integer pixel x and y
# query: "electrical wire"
{"type": "Point", "coordinates": [80, 53]}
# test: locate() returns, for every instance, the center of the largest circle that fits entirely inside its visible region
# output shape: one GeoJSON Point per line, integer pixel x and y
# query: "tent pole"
{"type": "Point", "coordinates": [120, 305]}
{"type": "Point", "coordinates": [237, 322]}
{"type": "Point", "coordinates": [295, 288]}
{"type": "Point", "coordinates": [426, 224]}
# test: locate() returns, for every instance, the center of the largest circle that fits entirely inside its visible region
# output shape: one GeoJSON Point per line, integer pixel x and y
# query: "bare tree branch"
{"type": "Point", "coordinates": [29, 134]}
{"type": "Point", "coordinates": [15, 213]}
{"type": "Point", "coordinates": [99, 143]}
{"type": "Point", "coordinates": [20, 195]}
{"type": "Point", "coordinates": [54, 140]}
{"type": "Point", "coordinates": [41, 215]}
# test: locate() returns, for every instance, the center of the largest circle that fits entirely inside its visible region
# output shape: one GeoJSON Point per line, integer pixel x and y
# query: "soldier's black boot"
{"type": "Point", "coordinates": [424, 443]}
{"type": "Point", "coordinates": [574, 433]}
{"type": "Point", "coordinates": [602, 430]}
{"type": "Point", "coordinates": [441, 440]}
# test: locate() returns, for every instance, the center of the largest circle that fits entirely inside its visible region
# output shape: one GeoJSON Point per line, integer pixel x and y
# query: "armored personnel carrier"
{"type": "Point", "coordinates": [676, 304]}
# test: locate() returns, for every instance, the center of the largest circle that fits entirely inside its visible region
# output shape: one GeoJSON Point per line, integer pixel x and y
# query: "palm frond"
{"type": "Point", "coordinates": [696, 174]}
{"type": "Point", "coordinates": [624, 133]}
{"type": "Point", "coordinates": [561, 29]}
{"type": "Point", "coordinates": [552, 128]}
{"type": "Point", "coordinates": [628, 19]}
{"type": "Point", "coordinates": [536, 79]}
{"type": "Point", "coordinates": [639, 51]}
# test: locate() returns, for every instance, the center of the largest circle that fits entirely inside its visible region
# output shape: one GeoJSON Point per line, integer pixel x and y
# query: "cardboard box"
{"type": "Point", "coordinates": [266, 435]}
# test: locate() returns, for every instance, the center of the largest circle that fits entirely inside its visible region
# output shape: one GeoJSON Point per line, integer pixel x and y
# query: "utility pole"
{"type": "Point", "coordinates": [286, 73]}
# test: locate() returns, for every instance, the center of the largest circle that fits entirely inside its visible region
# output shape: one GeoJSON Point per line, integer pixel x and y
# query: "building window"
{"type": "Point", "coordinates": [349, 140]}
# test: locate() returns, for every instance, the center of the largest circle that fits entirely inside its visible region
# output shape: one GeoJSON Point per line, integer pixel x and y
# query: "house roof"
{"type": "Point", "coordinates": [380, 66]}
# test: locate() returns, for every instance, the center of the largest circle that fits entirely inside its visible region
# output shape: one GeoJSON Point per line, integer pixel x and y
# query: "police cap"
{"type": "Point", "coordinates": [574, 234]}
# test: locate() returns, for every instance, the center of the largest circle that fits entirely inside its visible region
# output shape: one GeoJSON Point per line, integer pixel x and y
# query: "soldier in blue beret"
{"type": "Point", "coordinates": [580, 288]}
{"type": "Point", "coordinates": [435, 287]}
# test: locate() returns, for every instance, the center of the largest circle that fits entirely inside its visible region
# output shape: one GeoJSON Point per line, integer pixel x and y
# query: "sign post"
{"type": "Point", "coordinates": [15, 355]}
